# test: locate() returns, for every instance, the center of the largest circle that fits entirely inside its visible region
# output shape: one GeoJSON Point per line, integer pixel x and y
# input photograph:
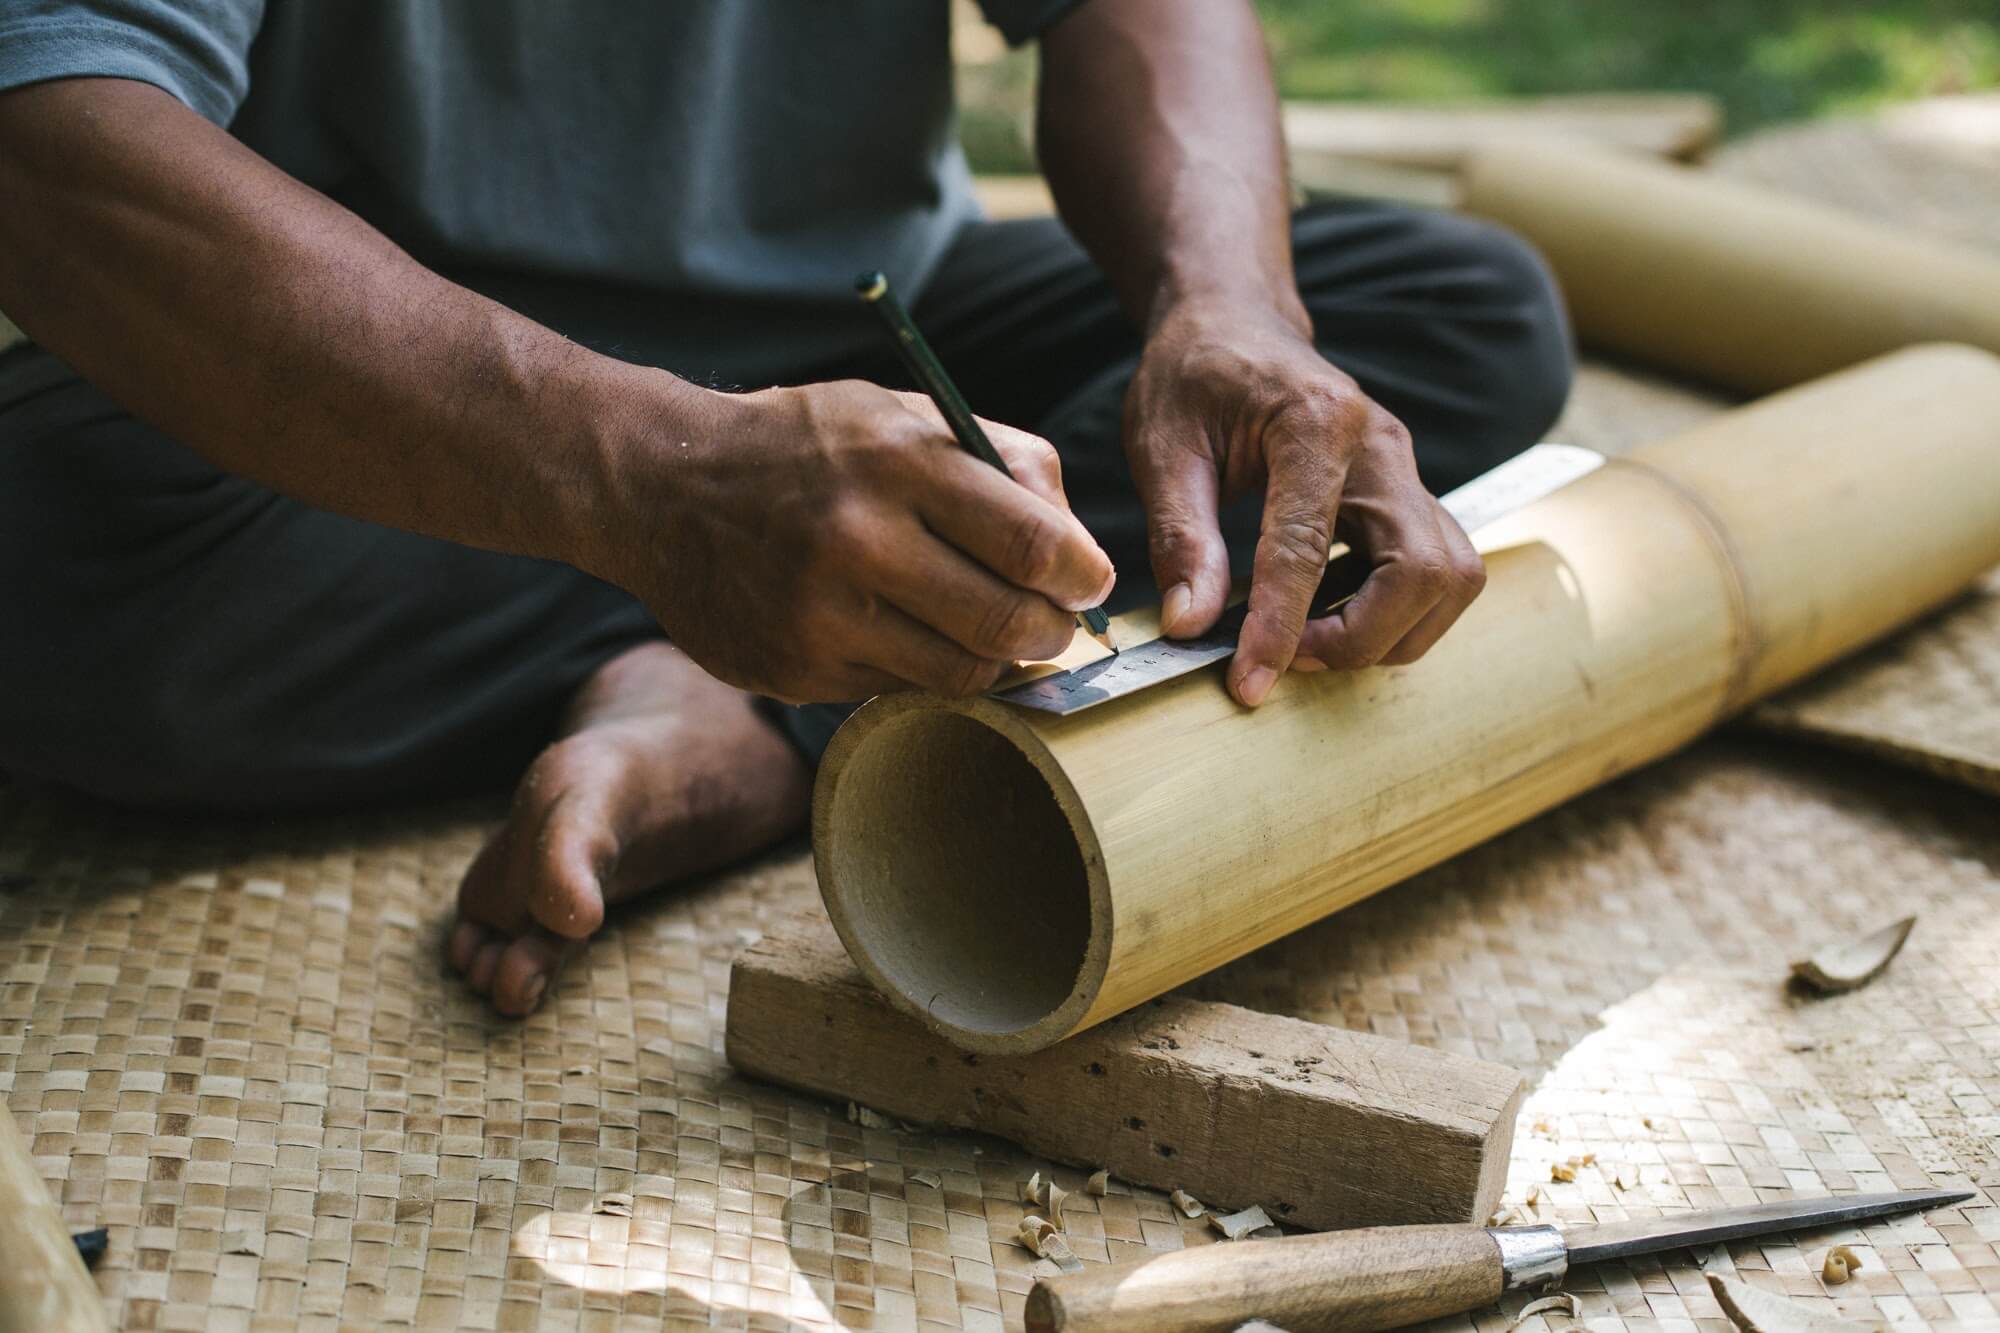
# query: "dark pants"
{"type": "Point", "coordinates": [174, 636]}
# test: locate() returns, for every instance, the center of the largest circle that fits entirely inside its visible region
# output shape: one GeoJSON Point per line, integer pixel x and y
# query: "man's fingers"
{"type": "Point", "coordinates": [1180, 488]}
{"type": "Point", "coordinates": [918, 655]}
{"type": "Point", "coordinates": [988, 617]}
{"type": "Point", "coordinates": [1031, 459]}
{"type": "Point", "coordinates": [1014, 532]}
{"type": "Point", "coordinates": [1301, 498]}
{"type": "Point", "coordinates": [1468, 577]}
{"type": "Point", "coordinates": [1416, 574]}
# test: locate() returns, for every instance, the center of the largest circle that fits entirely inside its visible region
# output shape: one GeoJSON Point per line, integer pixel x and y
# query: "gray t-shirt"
{"type": "Point", "coordinates": [688, 183]}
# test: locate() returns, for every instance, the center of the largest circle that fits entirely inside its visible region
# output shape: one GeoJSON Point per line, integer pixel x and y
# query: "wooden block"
{"type": "Point", "coordinates": [1325, 1128]}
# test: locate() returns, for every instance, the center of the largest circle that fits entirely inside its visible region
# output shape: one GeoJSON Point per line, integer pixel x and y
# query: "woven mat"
{"type": "Point", "coordinates": [233, 1045]}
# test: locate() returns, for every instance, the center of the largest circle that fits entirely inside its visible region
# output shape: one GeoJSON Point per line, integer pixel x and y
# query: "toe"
{"type": "Point", "coordinates": [466, 937]}
{"type": "Point", "coordinates": [577, 847]}
{"type": "Point", "coordinates": [480, 975]}
{"type": "Point", "coordinates": [525, 971]}
{"type": "Point", "coordinates": [483, 895]}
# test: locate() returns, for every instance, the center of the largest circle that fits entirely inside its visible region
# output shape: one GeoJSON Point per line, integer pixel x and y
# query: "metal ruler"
{"type": "Point", "coordinates": [1540, 471]}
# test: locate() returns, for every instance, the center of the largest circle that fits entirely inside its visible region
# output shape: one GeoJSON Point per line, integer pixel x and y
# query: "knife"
{"type": "Point", "coordinates": [1541, 470]}
{"type": "Point", "coordinates": [1386, 1277]}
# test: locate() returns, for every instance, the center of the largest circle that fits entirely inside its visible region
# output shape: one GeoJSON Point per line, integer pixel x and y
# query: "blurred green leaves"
{"type": "Point", "coordinates": [1768, 60]}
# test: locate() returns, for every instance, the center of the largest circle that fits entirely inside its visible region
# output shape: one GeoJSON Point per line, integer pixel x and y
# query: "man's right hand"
{"type": "Point", "coordinates": [832, 542]}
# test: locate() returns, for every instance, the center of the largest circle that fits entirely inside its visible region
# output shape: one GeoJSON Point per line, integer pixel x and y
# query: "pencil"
{"type": "Point", "coordinates": [928, 371]}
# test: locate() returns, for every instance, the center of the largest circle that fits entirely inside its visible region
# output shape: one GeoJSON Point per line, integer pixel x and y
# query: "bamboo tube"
{"type": "Point", "coordinates": [44, 1287]}
{"type": "Point", "coordinates": [1741, 286]}
{"type": "Point", "coordinates": [1010, 877]}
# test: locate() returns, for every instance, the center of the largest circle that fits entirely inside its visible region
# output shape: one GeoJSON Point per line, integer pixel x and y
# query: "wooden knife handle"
{"type": "Point", "coordinates": [1375, 1277]}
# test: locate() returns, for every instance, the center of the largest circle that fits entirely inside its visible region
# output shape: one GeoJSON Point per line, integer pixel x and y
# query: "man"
{"type": "Point", "coordinates": [399, 398]}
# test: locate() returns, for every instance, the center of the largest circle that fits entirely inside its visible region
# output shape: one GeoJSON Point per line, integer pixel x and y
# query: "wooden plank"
{"type": "Point", "coordinates": [1325, 1128]}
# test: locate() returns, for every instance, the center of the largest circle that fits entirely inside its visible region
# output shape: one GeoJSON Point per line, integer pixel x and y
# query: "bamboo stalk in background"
{"type": "Point", "coordinates": [1735, 284]}
{"type": "Point", "coordinates": [44, 1287]}
{"type": "Point", "coordinates": [1010, 877]}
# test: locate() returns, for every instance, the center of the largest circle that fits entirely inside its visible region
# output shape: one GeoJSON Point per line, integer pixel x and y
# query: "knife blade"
{"type": "Point", "coordinates": [1386, 1277]}
{"type": "Point", "coordinates": [1540, 471]}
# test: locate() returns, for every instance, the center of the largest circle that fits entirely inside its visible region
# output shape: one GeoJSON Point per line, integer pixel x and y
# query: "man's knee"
{"type": "Point", "coordinates": [1453, 323]}
{"type": "Point", "coordinates": [1530, 362]}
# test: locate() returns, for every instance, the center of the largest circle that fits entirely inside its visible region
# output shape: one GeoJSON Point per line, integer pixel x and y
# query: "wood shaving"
{"type": "Point", "coordinates": [1755, 1310]}
{"type": "Point", "coordinates": [1031, 1189]}
{"type": "Point", "coordinates": [868, 1117]}
{"type": "Point", "coordinates": [1187, 1203]}
{"type": "Point", "coordinates": [1098, 1184]}
{"type": "Point", "coordinates": [1852, 963]}
{"type": "Point", "coordinates": [929, 1178]}
{"type": "Point", "coordinates": [1562, 1300]}
{"type": "Point", "coordinates": [1563, 1172]}
{"type": "Point", "coordinates": [1040, 1238]}
{"type": "Point", "coordinates": [1841, 1264]}
{"type": "Point", "coordinates": [1034, 1233]}
{"type": "Point", "coordinates": [1235, 1226]}
{"type": "Point", "coordinates": [614, 1205]}
{"type": "Point", "coordinates": [1052, 1199]}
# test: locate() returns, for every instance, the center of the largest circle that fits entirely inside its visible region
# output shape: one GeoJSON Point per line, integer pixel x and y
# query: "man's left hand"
{"type": "Point", "coordinates": [1227, 400]}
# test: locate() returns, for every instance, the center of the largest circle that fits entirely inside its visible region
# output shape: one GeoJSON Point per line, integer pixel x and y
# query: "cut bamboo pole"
{"type": "Point", "coordinates": [1010, 877]}
{"type": "Point", "coordinates": [44, 1287]}
{"type": "Point", "coordinates": [1735, 284]}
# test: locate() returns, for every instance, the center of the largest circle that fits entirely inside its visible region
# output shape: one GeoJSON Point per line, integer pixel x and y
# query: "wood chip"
{"type": "Point", "coordinates": [1235, 1226]}
{"type": "Point", "coordinates": [1755, 1310]}
{"type": "Point", "coordinates": [1841, 1264]}
{"type": "Point", "coordinates": [1187, 1203]}
{"type": "Point", "coordinates": [927, 1178]}
{"type": "Point", "coordinates": [1098, 1184]}
{"type": "Point", "coordinates": [1852, 963]}
{"type": "Point", "coordinates": [1562, 1300]}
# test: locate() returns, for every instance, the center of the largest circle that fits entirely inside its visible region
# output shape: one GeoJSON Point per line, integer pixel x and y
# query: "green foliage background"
{"type": "Point", "coordinates": [1767, 60]}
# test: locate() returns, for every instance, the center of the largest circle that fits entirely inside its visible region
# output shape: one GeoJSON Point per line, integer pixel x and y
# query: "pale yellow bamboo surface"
{"type": "Point", "coordinates": [1010, 877]}
{"type": "Point", "coordinates": [231, 1043]}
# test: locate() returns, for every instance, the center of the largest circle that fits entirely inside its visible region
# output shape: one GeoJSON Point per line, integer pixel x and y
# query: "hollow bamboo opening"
{"type": "Point", "coordinates": [964, 890]}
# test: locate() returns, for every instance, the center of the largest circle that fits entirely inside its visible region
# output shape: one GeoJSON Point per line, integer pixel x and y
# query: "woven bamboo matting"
{"type": "Point", "coordinates": [232, 1044]}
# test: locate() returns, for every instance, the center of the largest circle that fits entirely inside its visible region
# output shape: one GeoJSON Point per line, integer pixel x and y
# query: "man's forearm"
{"type": "Point", "coordinates": [1160, 135]}
{"type": "Point", "coordinates": [286, 340]}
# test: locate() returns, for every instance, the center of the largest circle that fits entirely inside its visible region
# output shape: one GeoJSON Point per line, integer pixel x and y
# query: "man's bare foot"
{"type": "Point", "coordinates": [663, 772]}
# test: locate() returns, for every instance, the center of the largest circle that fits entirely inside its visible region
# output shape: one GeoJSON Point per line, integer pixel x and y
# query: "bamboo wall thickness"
{"type": "Point", "coordinates": [1011, 877]}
